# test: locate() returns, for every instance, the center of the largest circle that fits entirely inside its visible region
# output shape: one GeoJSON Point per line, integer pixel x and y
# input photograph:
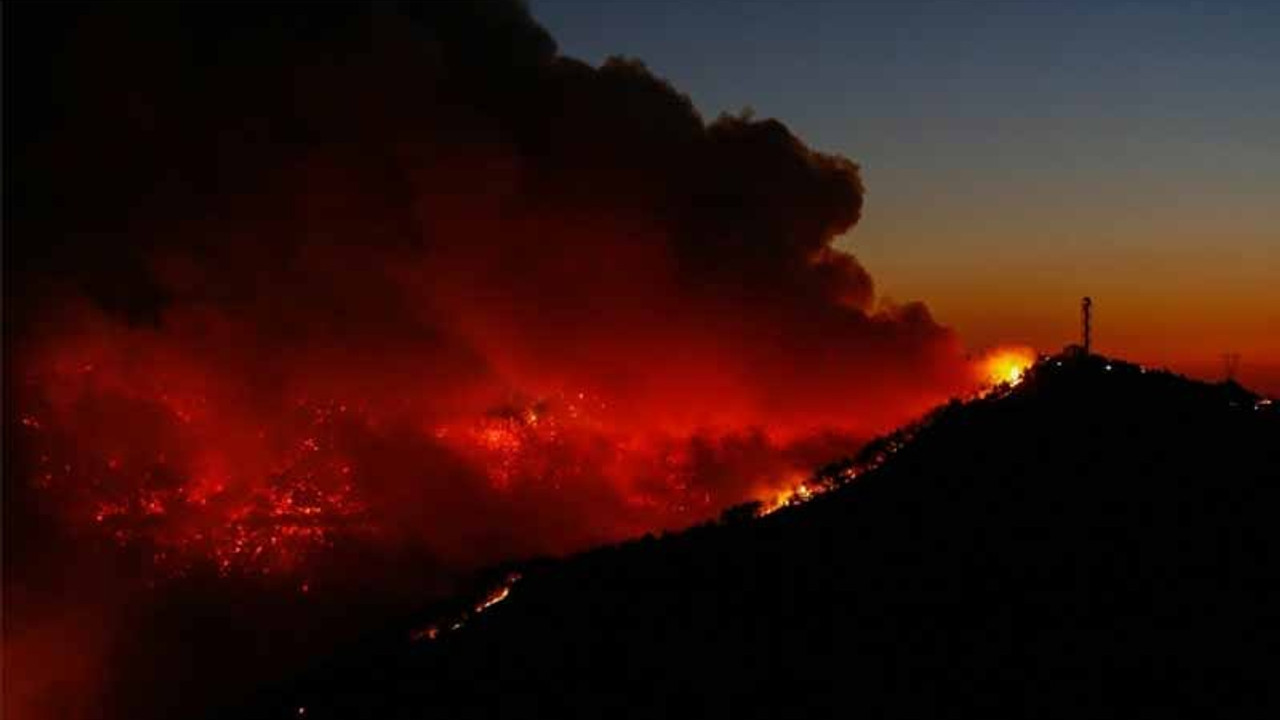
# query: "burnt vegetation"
{"type": "Point", "coordinates": [1098, 540]}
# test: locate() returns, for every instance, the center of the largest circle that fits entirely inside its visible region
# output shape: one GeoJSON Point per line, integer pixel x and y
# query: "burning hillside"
{"type": "Point", "coordinates": [311, 301]}
{"type": "Point", "coordinates": [1097, 539]}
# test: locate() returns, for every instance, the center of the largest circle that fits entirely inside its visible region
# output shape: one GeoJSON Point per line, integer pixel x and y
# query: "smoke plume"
{"type": "Point", "coordinates": [402, 278]}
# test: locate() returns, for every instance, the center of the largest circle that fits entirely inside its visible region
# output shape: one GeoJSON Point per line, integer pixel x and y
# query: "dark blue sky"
{"type": "Point", "coordinates": [1017, 155]}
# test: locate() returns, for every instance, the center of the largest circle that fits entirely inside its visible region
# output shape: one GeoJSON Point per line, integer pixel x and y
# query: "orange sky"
{"type": "Point", "coordinates": [1178, 292]}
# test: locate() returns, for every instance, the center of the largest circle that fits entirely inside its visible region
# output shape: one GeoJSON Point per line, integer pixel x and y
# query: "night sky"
{"type": "Point", "coordinates": [1018, 155]}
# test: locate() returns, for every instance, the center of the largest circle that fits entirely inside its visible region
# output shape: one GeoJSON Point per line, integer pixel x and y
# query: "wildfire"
{"type": "Point", "coordinates": [493, 597]}
{"type": "Point", "coordinates": [1007, 366]}
{"type": "Point", "coordinates": [498, 594]}
{"type": "Point", "coordinates": [794, 495]}
{"type": "Point", "coordinates": [182, 493]}
{"type": "Point", "coordinates": [186, 466]}
{"type": "Point", "coordinates": [187, 504]}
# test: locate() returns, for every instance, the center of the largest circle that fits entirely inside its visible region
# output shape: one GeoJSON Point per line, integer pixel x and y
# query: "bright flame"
{"type": "Point", "coordinates": [1007, 366]}
{"type": "Point", "coordinates": [495, 596]}
{"type": "Point", "coordinates": [787, 497]}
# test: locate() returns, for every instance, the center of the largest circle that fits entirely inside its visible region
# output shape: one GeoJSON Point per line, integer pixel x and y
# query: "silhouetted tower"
{"type": "Point", "coordinates": [1231, 364]}
{"type": "Point", "coordinates": [1086, 319]}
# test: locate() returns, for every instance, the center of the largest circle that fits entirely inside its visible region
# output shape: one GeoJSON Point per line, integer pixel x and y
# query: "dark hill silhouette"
{"type": "Point", "coordinates": [1099, 541]}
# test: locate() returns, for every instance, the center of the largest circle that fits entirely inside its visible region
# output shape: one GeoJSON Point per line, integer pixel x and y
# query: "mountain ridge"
{"type": "Point", "coordinates": [1091, 541]}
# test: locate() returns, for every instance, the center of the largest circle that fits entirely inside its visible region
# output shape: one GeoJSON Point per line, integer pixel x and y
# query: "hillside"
{"type": "Point", "coordinates": [1099, 540]}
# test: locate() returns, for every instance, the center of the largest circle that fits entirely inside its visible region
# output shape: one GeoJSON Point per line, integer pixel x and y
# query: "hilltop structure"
{"type": "Point", "coordinates": [1084, 348]}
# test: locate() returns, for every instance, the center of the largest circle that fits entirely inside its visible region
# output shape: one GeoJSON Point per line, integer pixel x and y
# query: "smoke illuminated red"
{"type": "Point", "coordinates": [150, 440]}
{"type": "Point", "coordinates": [456, 297]}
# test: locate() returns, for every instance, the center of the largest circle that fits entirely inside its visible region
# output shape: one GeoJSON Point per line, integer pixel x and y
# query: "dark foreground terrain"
{"type": "Point", "coordinates": [1100, 541]}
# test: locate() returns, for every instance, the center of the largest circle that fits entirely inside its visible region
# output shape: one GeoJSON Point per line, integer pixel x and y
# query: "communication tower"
{"type": "Point", "coordinates": [1086, 317]}
{"type": "Point", "coordinates": [1231, 365]}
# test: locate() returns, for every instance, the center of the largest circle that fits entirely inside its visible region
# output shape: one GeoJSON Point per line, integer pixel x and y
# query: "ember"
{"type": "Point", "coordinates": [493, 597]}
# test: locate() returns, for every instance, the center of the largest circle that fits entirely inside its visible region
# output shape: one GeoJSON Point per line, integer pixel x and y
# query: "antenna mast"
{"type": "Point", "coordinates": [1231, 363]}
{"type": "Point", "coordinates": [1086, 312]}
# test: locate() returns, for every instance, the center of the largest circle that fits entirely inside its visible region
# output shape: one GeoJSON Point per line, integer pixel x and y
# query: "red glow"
{"type": "Point", "coordinates": [310, 322]}
{"type": "Point", "coordinates": [1007, 365]}
{"type": "Point", "coordinates": [154, 438]}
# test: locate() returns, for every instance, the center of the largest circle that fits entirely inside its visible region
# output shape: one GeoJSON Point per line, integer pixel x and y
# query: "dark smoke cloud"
{"type": "Point", "coordinates": [406, 269]}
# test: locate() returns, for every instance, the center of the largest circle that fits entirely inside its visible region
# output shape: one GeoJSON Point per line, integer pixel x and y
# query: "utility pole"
{"type": "Point", "coordinates": [1086, 318]}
